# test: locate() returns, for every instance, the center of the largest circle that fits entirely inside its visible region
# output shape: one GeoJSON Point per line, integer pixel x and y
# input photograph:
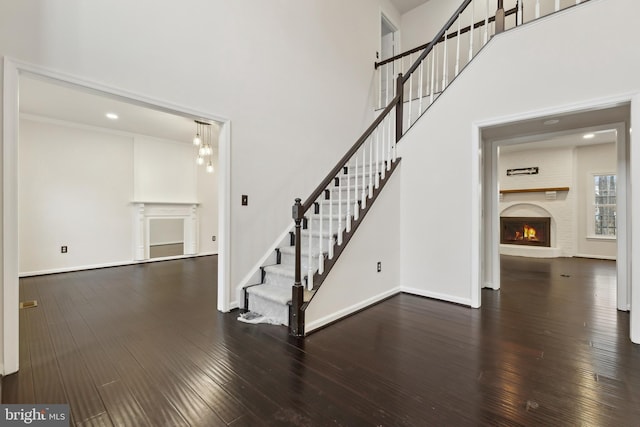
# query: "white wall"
{"type": "Point", "coordinates": [77, 185]}
{"type": "Point", "coordinates": [208, 196]}
{"type": "Point", "coordinates": [593, 160]}
{"type": "Point", "coordinates": [75, 189]}
{"type": "Point", "coordinates": [163, 171]}
{"type": "Point", "coordinates": [440, 161]}
{"type": "Point", "coordinates": [420, 25]}
{"type": "Point", "coordinates": [354, 281]}
{"type": "Point", "coordinates": [295, 78]}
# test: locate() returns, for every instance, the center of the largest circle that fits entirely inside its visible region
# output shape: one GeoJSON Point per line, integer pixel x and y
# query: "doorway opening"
{"type": "Point", "coordinates": [91, 158]}
{"type": "Point", "coordinates": [570, 148]}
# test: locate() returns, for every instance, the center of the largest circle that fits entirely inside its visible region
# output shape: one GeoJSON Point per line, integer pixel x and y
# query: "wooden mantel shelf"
{"type": "Point", "coordinates": [534, 190]}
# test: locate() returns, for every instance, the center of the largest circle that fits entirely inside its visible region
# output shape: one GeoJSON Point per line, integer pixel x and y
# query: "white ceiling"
{"type": "Point", "coordinates": [47, 99]}
{"type": "Point", "coordinates": [405, 6]}
{"type": "Point", "coordinates": [568, 131]}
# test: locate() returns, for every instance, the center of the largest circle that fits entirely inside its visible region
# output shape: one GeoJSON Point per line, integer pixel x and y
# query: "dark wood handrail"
{"type": "Point", "coordinates": [440, 34]}
{"type": "Point", "coordinates": [464, 30]}
{"type": "Point", "coordinates": [320, 188]}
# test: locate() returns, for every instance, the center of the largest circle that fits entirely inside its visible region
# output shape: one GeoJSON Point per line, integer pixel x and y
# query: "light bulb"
{"type": "Point", "coordinates": [210, 167]}
{"type": "Point", "coordinates": [200, 160]}
{"type": "Point", "coordinates": [202, 152]}
{"type": "Point", "coordinates": [208, 150]}
{"type": "Point", "coordinates": [196, 139]}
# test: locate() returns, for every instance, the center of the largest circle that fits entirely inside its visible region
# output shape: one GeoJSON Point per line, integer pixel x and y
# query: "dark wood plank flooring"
{"type": "Point", "coordinates": [144, 346]}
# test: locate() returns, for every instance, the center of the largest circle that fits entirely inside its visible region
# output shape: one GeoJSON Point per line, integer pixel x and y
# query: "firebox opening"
{"type": "Point", "coordinates": [530, 231]}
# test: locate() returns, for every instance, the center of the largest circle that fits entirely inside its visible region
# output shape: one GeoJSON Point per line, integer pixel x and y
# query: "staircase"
{"type": "Point", "coordinates": [325, 232]}
{"type": "Point", "coordinates": [325, 222]}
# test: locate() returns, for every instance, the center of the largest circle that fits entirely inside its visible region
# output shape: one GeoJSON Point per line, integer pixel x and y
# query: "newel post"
{"type": "Point", "coordinates": [296, 321]}
{"type": "Point", "coordinates": [500, 17]}
{"type": "Point", "coordinates": [399, 106]}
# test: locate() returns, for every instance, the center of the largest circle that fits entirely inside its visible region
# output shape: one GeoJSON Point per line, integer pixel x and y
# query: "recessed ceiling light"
{"type": "Point", "coordinates": [551, 122]}
{"type": "Point", "coordinates": [112, 116]}
{"type": "Point", "coordinates": [589, 135]}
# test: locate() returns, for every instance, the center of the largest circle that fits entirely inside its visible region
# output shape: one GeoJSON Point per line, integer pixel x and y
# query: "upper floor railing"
{"type": "Point", "coordinates": [454, 49]}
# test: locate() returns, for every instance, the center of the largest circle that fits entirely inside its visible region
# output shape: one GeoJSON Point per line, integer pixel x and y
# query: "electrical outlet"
{"type": "Point", "coordinates": [379, 266]}
{"type": "Point", "coordinates": [63, 249]}
{"type": "Point", "coordinates": [213, 238]}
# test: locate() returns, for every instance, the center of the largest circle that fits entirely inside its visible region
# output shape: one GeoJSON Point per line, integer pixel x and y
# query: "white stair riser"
{"type": "Point", "coordinates": [271, 278]}
{"type": "Point", "coordinates": [290, 259]}
{"type": "Point", "coordinates": [315, 241]}
{"type": "Point", "coordinates": [269, 309]}
{"type": "Point", "coordinates": [335, 209]}
{"type": "Point", "coordinates": [315, 224]}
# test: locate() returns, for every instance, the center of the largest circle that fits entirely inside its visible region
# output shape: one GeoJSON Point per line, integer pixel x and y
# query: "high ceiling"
{"type": "Point", "coordinates": [404, 6]}
{"type": "Point", "coordinates": [43, 98]}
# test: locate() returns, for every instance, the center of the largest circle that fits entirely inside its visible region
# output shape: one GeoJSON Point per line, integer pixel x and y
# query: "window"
{"type": "Point", "coordinates": [605, 205]}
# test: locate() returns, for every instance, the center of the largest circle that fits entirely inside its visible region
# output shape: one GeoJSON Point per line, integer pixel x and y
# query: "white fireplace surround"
{"type": "Point", "coordinates": [529, 209]}
{"type": "Point", "coordinates": [144, 212]}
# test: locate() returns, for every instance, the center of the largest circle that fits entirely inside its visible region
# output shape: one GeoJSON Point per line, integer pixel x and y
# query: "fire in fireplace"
{"type": "Point", "coordinates": [531, 231]}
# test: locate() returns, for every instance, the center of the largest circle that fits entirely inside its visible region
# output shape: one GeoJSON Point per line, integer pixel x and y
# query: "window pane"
{"type": "Point", "coordinates": [605, 205]}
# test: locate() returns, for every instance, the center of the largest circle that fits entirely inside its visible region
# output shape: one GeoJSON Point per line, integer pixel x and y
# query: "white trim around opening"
{"type": "Point", "coordinates": [12, 69]}
{"type": "Point", "coordinates": [485, 231]}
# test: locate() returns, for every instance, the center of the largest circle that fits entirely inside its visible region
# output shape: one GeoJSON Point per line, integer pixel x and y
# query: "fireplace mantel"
{"type": "Point", "coordinates": [534, 190]}
{"type": "Point", "coordinates": [144, 211]}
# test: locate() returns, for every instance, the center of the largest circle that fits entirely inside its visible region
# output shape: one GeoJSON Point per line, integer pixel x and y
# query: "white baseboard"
{"type": "Point", "coordinates": [166, 243]}
{"type": "Point", "coordinates": [349, 310]}
{"type": "Point", "coordinates": [233, 305]}
{"type": "Point", "coordinates": [436, 295]}
{"type": "Point", "coordinates": [108, 264]}
{"type": "Point", "coordinates": [611, 258]}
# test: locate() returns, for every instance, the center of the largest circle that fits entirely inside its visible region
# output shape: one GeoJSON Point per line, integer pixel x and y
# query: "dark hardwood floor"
{"type": "Point", "coordinates": [144, 346]}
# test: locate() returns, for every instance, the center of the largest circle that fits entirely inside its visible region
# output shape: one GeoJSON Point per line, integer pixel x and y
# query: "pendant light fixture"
{"type": "Point", "coordinates": [203, 143]}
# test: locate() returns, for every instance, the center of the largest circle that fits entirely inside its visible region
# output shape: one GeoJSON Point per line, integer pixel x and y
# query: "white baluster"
{"type": "Point", "coordinates": [458, 48]}
{"type": "Point", "coordinates": [433, 73]}
{"type": "Point", "coordinates": [386, 91]}
{"type": "Point", "coordinates": [320, 251]}
{"type": "Point", "coordinates": [386, 152]}
{"type": "Point", "coordinates": [371, 167]}
{"type": "Point", "coordinates": [444, 64]}
{"type": "Point", "coordinates": [339, 211]}
{"type": "Point", "coordinates": [330, 224]}
{"type": "Point", "coordinates": [473, 23]}
{"type": "Point", "coordinates": [486, 25]}
{"type": "Point", "coordinates": [392, 141]}
{"type": "Point", "coordinates": [348, 227]}
{"type": "Point", "coordinates": [557, 5]}
{"type": "Point", "coordinates": [310, 256]}
{"type": "Point", "coordinates": [377, 180]}
{"type": "Point", "coordinates": [519, 16]}
{"type": "Point", "coordinates": [379, 70]}
{"type": "Point", "coordinates": [410, 96]}
{"type": "Point", "coordinates": [537, 9]}
{"type": "Point", "coordinates": [420, 84]}
{"type": "Point", "coordinates": [356, 211]}
{"type": "Point", "coordinates": [578, 1]}
{"type": "Point", "coordinates": [364, 169]}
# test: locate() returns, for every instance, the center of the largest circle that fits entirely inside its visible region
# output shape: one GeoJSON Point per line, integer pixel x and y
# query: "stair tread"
{"type": "Point", "coordinates": [304, 251]}
{"type": "Point", "coordinates": [281, 269]}
{"type": "Point", "coordinates": [315, 233]}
